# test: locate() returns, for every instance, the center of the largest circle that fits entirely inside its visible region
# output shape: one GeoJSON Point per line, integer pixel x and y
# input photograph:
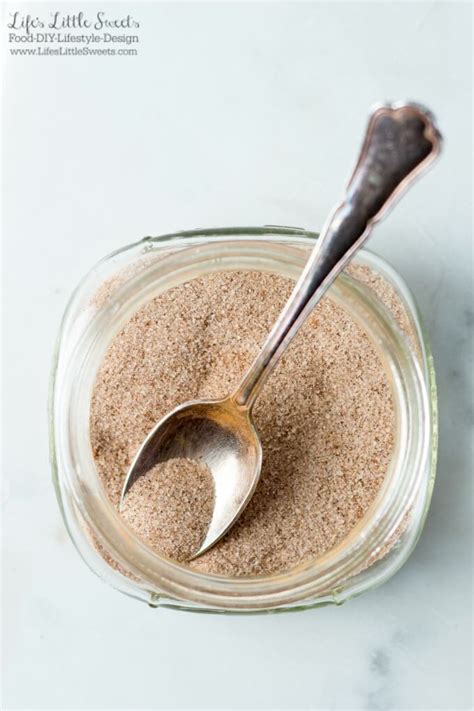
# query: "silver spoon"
{"type": "Point", "coordinates": [401, 140]}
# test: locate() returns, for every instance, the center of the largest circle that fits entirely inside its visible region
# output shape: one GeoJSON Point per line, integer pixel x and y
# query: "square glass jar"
{"type": "Point", "coordinates": [138, 273]}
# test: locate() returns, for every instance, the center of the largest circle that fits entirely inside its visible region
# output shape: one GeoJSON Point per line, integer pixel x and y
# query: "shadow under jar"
{"type": "Point", "coordinates": [142, 271]}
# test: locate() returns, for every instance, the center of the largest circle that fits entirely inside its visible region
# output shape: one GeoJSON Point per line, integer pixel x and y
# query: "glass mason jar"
{"type": "Point", "coordinates": [137, 274]}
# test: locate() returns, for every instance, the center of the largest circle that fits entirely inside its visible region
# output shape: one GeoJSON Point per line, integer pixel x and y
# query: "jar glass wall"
{"type": "Point", "coordinates": [139, 273]}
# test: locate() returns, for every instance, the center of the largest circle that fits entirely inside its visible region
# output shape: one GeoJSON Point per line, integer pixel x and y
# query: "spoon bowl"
{"type": "Point", "coordinates": [218, 433]}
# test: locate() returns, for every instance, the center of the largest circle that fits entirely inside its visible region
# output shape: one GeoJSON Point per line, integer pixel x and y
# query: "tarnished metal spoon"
{"type": "Point", "coordinates": [401, 140]}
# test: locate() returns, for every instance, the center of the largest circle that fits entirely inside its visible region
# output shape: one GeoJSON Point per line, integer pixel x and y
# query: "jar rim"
{"type": "Point", "coordinates": [307, 579]}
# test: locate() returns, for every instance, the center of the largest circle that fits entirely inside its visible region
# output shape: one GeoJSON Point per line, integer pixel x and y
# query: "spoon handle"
{"type": "Point", "coordinates": [401, 141]}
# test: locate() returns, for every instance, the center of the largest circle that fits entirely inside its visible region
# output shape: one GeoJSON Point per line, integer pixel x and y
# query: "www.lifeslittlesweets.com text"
{"type": "Point", "coordinates": [39, 44]}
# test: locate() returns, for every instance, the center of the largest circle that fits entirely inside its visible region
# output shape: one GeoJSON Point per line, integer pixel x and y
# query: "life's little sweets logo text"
{"type": "Point", "coordinates": [79, 34]}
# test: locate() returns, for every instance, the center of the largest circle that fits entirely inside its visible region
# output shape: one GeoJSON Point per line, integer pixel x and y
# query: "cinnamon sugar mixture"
{"type": "Point", "coordinates": [325, 418]}
{"type": "Point", "coordinates": [171, 507]}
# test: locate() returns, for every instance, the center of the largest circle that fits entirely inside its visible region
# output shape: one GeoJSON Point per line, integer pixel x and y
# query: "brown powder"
{"type": "Point", "coordinates": [388, 296]}
{"type": "Point", "coordinates": [171, 506]}
{"type": "Point", "coordinates": [325, 416]}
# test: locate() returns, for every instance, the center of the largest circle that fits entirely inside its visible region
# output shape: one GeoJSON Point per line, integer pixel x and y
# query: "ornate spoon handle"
{"type": "Point", "coordinates": [400, 142]}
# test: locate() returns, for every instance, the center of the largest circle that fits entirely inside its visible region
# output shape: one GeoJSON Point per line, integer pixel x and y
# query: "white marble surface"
{"type": "Point", "coordinates": [231, 114]}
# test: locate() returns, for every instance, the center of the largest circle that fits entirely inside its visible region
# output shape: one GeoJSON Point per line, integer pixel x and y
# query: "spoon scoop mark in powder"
{"type": "Point", "coordinates": [170, 507]}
